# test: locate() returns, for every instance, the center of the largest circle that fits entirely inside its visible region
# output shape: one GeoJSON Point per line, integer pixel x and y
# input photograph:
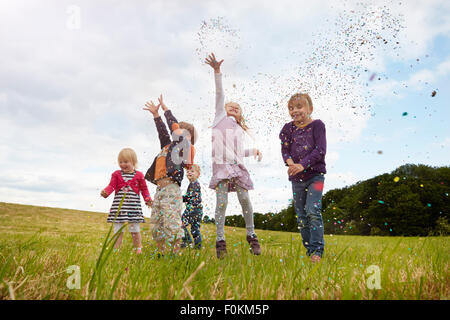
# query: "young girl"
{"type": "Point", "coordinates": [229, 172]}
{"type": "Point", "coordinates": [303, 148]}
{"type": "Point", "coordinates": [166, 172]}
{"type": "Point", "coordinates": [132, 182]}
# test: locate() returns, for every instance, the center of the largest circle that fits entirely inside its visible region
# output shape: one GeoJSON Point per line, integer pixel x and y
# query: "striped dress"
{"type": "Point", "coordinates": [131, 210]}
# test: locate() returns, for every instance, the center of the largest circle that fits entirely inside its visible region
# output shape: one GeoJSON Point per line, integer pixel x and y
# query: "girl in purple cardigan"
{"type": "Point", "coordinates": [229, 172]}
{"type": "Point", "coordinates": [303, 148]}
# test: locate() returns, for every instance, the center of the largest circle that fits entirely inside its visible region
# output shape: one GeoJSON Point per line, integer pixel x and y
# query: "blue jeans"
{"type": "Point", "coordinates": [307, 205]}
{"type": "Point", "coordinates": [192, 217]}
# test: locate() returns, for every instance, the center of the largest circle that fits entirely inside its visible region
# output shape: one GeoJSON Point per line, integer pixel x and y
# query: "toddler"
{"type": "Point", "coordinates": [127, 180]}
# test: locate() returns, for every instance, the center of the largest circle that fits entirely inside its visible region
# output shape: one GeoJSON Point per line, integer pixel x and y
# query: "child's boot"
{"type": "Point", "coordinates": [254, 244]}
{"type": "Point", "coordinates": [221, 249]}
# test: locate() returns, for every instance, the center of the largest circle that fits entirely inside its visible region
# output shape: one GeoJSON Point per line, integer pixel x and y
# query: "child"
{"type": "Point", "coordinates": [132, 182]}
{"type": "Point", "coordinates": [229, 172]}
{"type": "Point", "coordinates": [193, 213]}
{"type": "Point", "coordinates": [167, 173]}
{"type": "Point", "coordinates": [303, 148]}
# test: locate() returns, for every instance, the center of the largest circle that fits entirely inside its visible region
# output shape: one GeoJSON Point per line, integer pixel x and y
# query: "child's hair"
{"type": "Point", "coordinates": [300, 96]}
{"type": "Point", "coordinates": [192, 131]}
{"type": "Point", "coordinates": [241, 120]}
{"type": "Point", "coordinates": [196, 168]}
{"type": "Point", "coordinates": [128, 154]}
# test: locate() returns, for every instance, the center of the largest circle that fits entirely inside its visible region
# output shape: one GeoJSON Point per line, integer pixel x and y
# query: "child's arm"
{"type": "Point", "coordinates": [320, 148]}
{"type": "Point", "coordinates": [186, 197]}
{"type": "Point", "coordinates": [144, 191]}
{"type": "Point", "coordinates": [164, 137]}
{"type": "Point", "coordinates": [110, 188]}
{"type": "Point", "coordinates": [172, 122]}
{"type": "Point", "coordinates": [220, 97]}
{"type": "Point", "coordinates": [285, 137]}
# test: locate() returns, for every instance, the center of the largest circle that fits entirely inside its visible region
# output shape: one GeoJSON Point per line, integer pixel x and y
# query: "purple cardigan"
{"type": "Point", "coordinates": [306, 146]}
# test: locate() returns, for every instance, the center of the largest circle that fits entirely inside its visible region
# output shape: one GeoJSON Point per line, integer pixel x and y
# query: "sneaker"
{"type": "Point", "coordinates": [139, 251]}
{"type": "Point", "coordinates": [315, 258]}
{"type": "Point", "coordinates": [221, 249]}
{"type": "Point", "coordinates": [254, 244]}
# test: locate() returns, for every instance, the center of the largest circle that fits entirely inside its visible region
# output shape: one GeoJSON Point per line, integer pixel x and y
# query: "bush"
{"type": "Point", "coordinates": [442, 227]}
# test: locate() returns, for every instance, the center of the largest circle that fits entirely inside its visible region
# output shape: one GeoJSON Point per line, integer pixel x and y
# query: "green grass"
{"type": "Point", "coordinates": [38, 244]}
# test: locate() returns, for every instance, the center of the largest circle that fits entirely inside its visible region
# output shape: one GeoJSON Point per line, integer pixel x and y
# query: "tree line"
{"type": "Point", "coordinates": [412, 200]}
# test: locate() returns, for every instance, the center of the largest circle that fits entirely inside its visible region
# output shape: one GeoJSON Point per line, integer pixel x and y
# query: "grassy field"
{"type": "Point", "coordinates": [38, 244]}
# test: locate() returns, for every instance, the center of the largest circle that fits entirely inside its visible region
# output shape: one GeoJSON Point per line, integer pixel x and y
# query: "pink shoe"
{"type": "Point", "coordinates": [139, 251]}
{"type": "Point", "coordinates": [315, 258]}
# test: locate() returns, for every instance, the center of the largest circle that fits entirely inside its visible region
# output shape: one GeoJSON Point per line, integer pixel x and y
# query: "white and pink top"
{"type": "Point", "coordinates": [227, 146]}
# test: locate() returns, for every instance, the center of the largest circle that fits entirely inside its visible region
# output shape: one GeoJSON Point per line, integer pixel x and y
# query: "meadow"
{"type": "Point", "coordinates": [38, 246]}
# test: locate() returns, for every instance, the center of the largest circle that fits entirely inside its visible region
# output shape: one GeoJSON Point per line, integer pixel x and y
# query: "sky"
{"type": "Point", "coordinates": [75, 75]}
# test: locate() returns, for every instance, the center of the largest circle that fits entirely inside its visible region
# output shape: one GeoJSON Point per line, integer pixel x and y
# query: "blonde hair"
{"type": "Point", "coordinates": [300, 96]}
{"type": "Point", "coordinates": [241, 121]}
{"type": "Point", "coordinates": [128, 154]}
{"type": "Point", "coordinates": [196, 168]}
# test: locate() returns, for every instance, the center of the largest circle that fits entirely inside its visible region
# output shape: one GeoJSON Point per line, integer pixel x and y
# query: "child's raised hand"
{"type": "Point", "coordinates": [211, 60]}
{"type": "Point", "coordinates": [150, 106]}
{"type": "Point", "coordinates": [104, 194]}
{"type": "Point", "coordinates": [161, 103]}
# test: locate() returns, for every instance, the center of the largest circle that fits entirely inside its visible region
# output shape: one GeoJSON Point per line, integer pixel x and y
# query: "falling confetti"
{"type": "Point", "coordinates": [342, 49]}
{"type": "Point", "coordinates": [216, 36]}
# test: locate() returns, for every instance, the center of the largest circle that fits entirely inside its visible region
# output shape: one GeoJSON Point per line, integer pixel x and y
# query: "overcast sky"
{"type": "Point", "coordinates": [74, 76]}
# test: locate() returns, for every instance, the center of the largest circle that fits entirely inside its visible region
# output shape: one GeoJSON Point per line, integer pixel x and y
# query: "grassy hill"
{"type": "Point", "coordinates": [38, 244]}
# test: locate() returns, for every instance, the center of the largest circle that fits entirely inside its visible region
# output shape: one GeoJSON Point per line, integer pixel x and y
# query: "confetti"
{"type": "Point", "coordinates": [215, 35]}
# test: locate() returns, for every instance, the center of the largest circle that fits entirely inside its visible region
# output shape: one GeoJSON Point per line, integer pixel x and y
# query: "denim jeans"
{"type": "Point", "coordinates": [192, 217]}
{"type": "Point", "coordinates": [308, 204]}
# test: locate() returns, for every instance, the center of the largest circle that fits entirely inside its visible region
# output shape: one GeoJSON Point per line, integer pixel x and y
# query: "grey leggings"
{"type": "Point", "coordinates": [221, 207]}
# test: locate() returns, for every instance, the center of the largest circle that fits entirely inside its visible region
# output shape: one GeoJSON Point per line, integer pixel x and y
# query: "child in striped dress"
{"type": "Point", "coordinates": [130, 182]}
